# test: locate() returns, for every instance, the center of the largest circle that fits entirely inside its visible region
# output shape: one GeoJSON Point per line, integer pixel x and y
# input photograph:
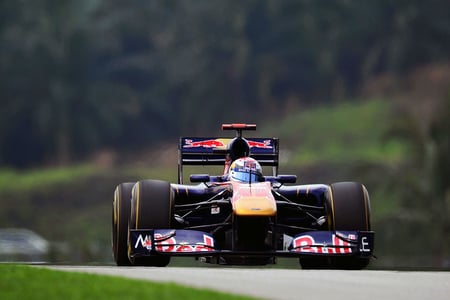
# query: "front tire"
{"type": "Point", "coordinates": [120, 216]}
{"type": "Point", "coordinates": [348, 206]}
{"type": "Point", "coordinates": [151, 208]}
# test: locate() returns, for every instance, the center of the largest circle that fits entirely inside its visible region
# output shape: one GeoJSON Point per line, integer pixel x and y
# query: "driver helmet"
{"type": "Point", "coordinates": [246, 169]}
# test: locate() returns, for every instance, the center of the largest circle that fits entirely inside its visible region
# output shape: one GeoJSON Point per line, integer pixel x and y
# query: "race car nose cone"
{"type": "Point", "coordinates": [255, 206]}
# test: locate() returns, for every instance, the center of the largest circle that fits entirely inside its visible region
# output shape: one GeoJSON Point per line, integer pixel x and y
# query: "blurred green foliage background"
{"type": "Point", "coordinates": [94, 93]}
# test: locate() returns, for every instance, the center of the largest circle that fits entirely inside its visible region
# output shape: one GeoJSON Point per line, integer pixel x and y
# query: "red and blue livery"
{"type": "Point", "coordinates": [241, 216]}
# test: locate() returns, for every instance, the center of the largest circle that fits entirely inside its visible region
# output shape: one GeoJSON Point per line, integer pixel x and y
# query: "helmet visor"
{"type": "Point", "coordinates": [246, 176]}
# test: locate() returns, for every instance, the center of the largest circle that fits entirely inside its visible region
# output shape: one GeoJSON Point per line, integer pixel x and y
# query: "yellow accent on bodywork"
{"type": "Point", "coordinates": [255, 206]}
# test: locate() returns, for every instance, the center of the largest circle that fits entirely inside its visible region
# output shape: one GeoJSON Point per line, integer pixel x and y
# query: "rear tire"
{"type": "Point", "coordinates": [120, 216]}
{"type": "Point", "coordinates": [151, 208]}
{"type": "Point", "coordinates": [348, 206]}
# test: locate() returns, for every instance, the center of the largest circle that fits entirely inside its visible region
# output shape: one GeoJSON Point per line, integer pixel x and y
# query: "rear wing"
{"type": "Point", "coordinates": [206, 151]}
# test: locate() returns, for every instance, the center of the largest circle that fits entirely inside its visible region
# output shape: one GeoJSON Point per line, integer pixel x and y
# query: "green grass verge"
{"type": "Point", "coordinates": [14, 180]}
{"type": "Point", "coordinates": [348, 132]}
{"type": "Point", "coordinates": [26, 282]}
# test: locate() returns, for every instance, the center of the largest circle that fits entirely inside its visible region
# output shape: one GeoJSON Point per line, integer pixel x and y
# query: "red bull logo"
{"type": "Point", "coordinates": [306, 243]}
{"type": "Point", "coordinates": [250, 166]}
{"type": "Point", "coordinates": [264, 144]}
{"type": "Point", "coordinates": [205, 144]}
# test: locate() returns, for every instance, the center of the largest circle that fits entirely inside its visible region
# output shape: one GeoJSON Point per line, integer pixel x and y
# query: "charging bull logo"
{"type": "Point", "coordinates": [205, 144]}
{"type": "Point", "coordinates": [266, 144]}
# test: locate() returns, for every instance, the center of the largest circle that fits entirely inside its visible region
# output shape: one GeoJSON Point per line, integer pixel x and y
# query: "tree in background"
{"type": "Point", "coordinates": [420, 182]}
{"type": "Point", "coordinates": [55, 107]}
{"type": "Point", "coordinates": [78, 76]}
{"type": "Point", "coordinates": [423, 121]}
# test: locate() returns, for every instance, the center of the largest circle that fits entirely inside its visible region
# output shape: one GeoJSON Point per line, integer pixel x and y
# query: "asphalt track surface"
{"type": "Point", "coordinates": [266, 283]}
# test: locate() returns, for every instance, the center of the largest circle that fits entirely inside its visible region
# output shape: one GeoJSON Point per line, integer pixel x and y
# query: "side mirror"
{"type": "Point", "coordinates": [200, 178]}
{"type": "Point", "coordinates": [286, 178]}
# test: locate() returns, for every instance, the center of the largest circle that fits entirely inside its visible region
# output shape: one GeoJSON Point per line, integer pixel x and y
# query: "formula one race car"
{"type": "Point", "coordinates": [240, 217]}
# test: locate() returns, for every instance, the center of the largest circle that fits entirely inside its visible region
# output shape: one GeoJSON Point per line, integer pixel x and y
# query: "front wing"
{"type": "Point", "coordinates": [196, 243]}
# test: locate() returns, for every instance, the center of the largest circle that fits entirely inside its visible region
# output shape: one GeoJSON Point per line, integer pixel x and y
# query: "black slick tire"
{"type": "Point", "coordinates": [348, 206]}
{"type": "Point", "coordinates": [151, 208]}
